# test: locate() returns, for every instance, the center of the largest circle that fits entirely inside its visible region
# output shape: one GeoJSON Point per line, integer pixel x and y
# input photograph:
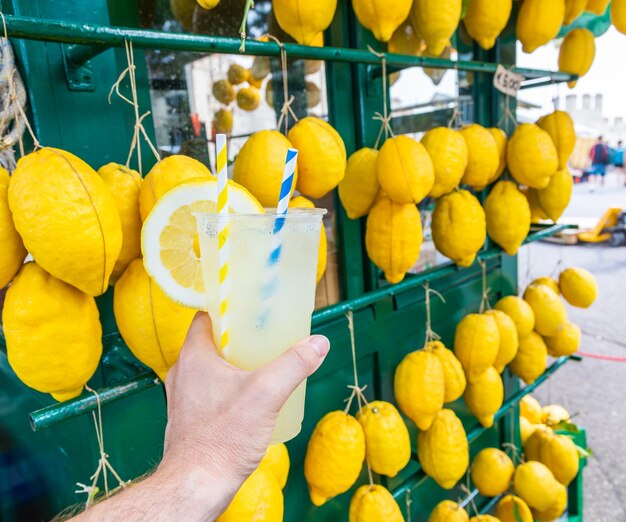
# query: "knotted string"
{"type": "Point", "coordinates": [470, 496]}
{"type": "Point", "coordinates": [431, 335]}
{"type": "Point", "coordinates": [16, 95]}
{"type": "Point", "coordinates": [455, 121]}
{"type": "Point", "coordinates": [508, 116]}
{"type": "Point", "coordinates": [357, 391]}
{"type": "Point", "coordinates": [484, 300]}
{"type": "Point", "coordinates": [286, 109]}
{"type": "Point", "coordinates": [139, 128]}
{"type": "Point", "coordinates": [513, 449]}
{"type": "Point", "coordinates": [407, 495]}
{"type": "Point", "coordinates": [104, 465]}
{"type": "Point", "coordinates": [384, 118]}
{"type": "Point", "coordinates": [242, 29]}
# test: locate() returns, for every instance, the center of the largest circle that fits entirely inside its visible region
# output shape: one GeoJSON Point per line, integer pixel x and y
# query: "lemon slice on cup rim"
{"type": "Point", "coordinates": [169, 238]}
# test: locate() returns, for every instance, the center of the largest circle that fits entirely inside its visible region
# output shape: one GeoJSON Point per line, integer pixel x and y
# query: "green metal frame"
{"type": "Point", "coordinates": [389, 320]}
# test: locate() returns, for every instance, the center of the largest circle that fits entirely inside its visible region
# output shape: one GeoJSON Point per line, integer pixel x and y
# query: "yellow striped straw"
{"type": "Point", "coordinates": [222, 236]}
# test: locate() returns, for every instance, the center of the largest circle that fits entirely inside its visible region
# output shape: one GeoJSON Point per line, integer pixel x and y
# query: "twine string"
{"type": "Point", "coordinates": [470, 497]}
{"type": "Point", "coordinates": [286, 109]}
{"type": "Point", "coordinates": [139, 129]}
{"type": "Point", "coordinates": [385, 117]}
{"type": "Point", "coordinates": [455, 120]}
{"type": "Point", "coordinates": [408, 501]}
{"type": "Point", "coordinates": [104, 466]}
{"type": "Point", "coordinates": [431, 335]}
{"type": "Point", "coordinates": [357, 391]}
{"type": "Point", "coordinates": [484, 300]}
{"type": "Point", "coordinates": [16, 92]}
{"type": "Point", "coordinates": [244, 22]}
{"type": "Point", "coordinates": [508, 116]}
{"type": "Point", "coordinates": [513, 449]}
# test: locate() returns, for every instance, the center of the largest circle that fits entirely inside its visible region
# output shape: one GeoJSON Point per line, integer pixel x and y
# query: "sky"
{"type": "Point", "coordinates": [606, 76]}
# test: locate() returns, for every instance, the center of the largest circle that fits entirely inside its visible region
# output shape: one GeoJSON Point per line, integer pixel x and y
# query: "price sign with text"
{"type": "Point", "coordinates": [507, 81]}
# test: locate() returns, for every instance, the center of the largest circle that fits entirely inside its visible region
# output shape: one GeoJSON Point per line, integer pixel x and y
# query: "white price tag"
{"type": "Point", "coordinates": [507, 81]}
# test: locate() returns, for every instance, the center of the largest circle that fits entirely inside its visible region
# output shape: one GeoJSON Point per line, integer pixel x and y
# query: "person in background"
{"type": "Point", "coordinates": [599, 155]}
{"type": "Point", "coordinates": [618, 161]}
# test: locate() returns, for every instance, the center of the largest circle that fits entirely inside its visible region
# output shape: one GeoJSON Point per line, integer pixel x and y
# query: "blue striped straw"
{"type": "Point", "coordinates": [277, 233]}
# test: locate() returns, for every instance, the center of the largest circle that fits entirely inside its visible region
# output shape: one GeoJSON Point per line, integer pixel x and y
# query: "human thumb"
{"type": "Point", "coordinates": [285, 373]}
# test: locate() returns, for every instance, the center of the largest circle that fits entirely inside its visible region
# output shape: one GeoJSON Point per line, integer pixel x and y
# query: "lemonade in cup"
{"type": "Point", "coordinates": [270, 298]}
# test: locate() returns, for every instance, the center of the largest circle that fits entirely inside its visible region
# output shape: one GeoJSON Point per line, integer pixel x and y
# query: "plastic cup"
{"type": "Point", "coordinates": [269, 304]}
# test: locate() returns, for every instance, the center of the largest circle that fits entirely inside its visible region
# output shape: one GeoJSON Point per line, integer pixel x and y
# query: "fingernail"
{"type": "Point", "coordinates": [320, 344]}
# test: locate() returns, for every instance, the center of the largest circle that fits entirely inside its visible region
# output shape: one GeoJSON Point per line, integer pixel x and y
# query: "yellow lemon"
{"type": "Point", "coordinates": [573, 9]}
{"type": "Point", "coordinates": [259, 499]}
{"type": "Point", "coordinates": [302, 202]}
{"type": "Point", "coordinates": [513, 509]}
{"type": "Point", "coordinates": [618, 15]}
{"type": "Point", "coordinates": [259, 166]}
{"type": "Point", "coordinates": [436, 21]}
{"type": "Point", "coordinates": [549, 310]}
{"type": "Point", "coordinates": [448, 151]}
{"type": "Point", "coordinates": [597, 6]}
{"type": "Point", "coordinates": [373, 503]}
{"type": "Point", "coordinates": [443, 450]}
{"type": "Point", "coordinates": [486, 19]}
{"type": "Point", "coordinates": [165, 175]}
{"type": "Point", "coordinates": [152, 325]}
{"type": "Point", "coordinates": [304, 20]}
{"type": "Point", "coordinates": [459, 226]}
{"type": "Point", "coordinates": [527, 429]}
{"type": "Point", "coordinates": [248, 98]}
{"type": "Point", "coordinates": [208, 4]}
{"type": "Point", "coordinates": [578, 286]}
{"type": "Point", "coordinates": [359, 187]}
{"type": "Point", "coordinates": [169, 238]}
{"type": "Point", "coordinates": [557, 452]}
{"type": "Point", "coordinates": [183, 12]}
{"type": "Point", "coordinates": [321, 158]}
{"type": "Point", "coordinates": [419, 387]}
{"type": "Point", "coordinates": [531, 359]}
{"type": "Point", "coordinates": [553, 414]}
{"type": "Point", "coordinates": [476, 344]}
{"type": "Point", "coordinates": [453, 375]}
{"type": "Point", "coordinates": [509, 340]}
{"type": "Point", "coordinates": [381, 17]}
{"type": "Point", "coordinates": [566, 342]}
{"type": "Point", "coordinates": [124, 184]}
{"type": "Point", "coordinates": [53, 333]}
{"type": "Point", "coordinates": [532, 156]}
{"type": "Point", "coordinates": [556, 196]}
{"type": "Point", "coordinates": [530, 409]}
{"type": "Point", "coordinates": [393, 238]}
{"type": "Point", "coordinates": [560, 126]}
{"type": "Point", "coordinates": [521, 313]}
{"type": "Point", "coordinates": [13, 251]}
{"type": "Point", "coordinates": [483, 156]}
{"type": "Point", "coordinates": [492, 472]}
{"type": "Point", "coordinates": [67, 218]}
{"type": "Point", "coordinates": [237, 74]}
{"type": "Point", "coordinates": [538, 22]}
{"type": "Point", "coordinates": [224, 92]}
{"type": "Point", "coordinates": [276, 460]}
{"type": "Point", "coordinates": [483, 518]}
{"type": "Point", "coordinates": [387, 443]}
{"type": "Point", "coordinates": [261, 68]}
{"type": "Point", "coordinates": [484, 396]}
{"type": "Point", "coordinates": [508, 216]}
{"type": "Point", "coordinates": [405, 40]}
{"type": "Point", "coordinates": [223, 121]}
{"type": "Point", "coordinates": [557, 508]}
{"type": "Point", "coordinates": [577, 53]}
{"type": "Point", "coordinates": [334, 456]}
{"type": "Point", "coordinates": [536, 212]}
{"type": "Point", "coordinates": [448, 511]}
{"type": "Point", "coordinates": [404, 169]}
{"type": "Point", "coordinates": [501, 142]}
{"type": "Point", "coordinates": [535, 485]}
{"type": "Point", "coordinates": [549, 282]}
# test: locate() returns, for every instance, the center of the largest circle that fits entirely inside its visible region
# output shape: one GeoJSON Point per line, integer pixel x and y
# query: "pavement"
{"type": "Point", "coordinates": [593, 391]}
